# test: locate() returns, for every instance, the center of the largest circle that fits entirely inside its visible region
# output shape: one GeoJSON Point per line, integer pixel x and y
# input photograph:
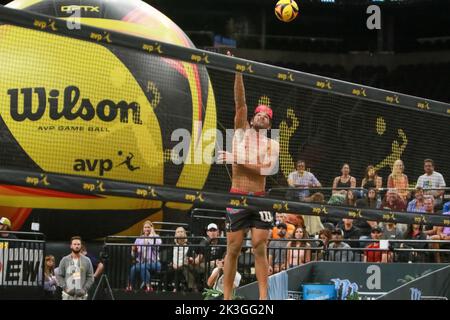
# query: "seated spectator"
{"type": "Point", "coordinates": [277, 250]}
{"type": "Point", "coordinates": [302, 179]}
{"type": "Point", "coordinates": [202, 259]}
{"type": "Point", "coordinates": [350, 232]}
{"type": "Point", "coordinates": [390, 231]}
{"type": "Point", "coordinates": [375, 255]}
{"type": "Point", "coordinates": [370, 201]}
{"type": "Point", "coordinates": [371, 179]}
{"type": "Point", "coordinates": [393, 201]}
{"type": "Point", "coordinates": [442, 233]}
{"type": "Point", "coordinates": [313, 223]}
{"type": "Point", "coordinates": [50, 281]}
{"type": "Point", "coordinates": [145, 252]}
{"type": "Point", "coordinates": [417, 204]}
{"type": "Point", "coordinates": [281, 218]}
{"type": "Point", "coordinates": [345, 180]}
{"type": "Point", "coordinates": [180, 261]}
{"type": "Point", "coordinates": [428, 203]}
{"type": "Point", "coordinates": [215, 280]}
{"type": "Point", "coordinates": [413, 232]}
{"type": "Point", "coordinates": [431, 180]}
{"type": "Point", "coordinates": [338, 250]}
{"type": "Point", "coordinates": [5, 235]}
{"type": "Point", "coordinates": [350, 198]}
{"type": "Point", "coordinates": [398, 180]}
{"type": "Point", "coordinates": [297, 256]}
{"type": "Point", "coordinates": [325, 236]}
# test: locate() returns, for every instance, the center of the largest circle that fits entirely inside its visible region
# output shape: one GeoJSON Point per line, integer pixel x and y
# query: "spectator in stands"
{"type": "Point", "coordinates": [75, 273]}
{"type": "Point", "coordinates": [431, 180]}
{"type": "Point", "coordinates": [390, 231]}
{"type": "Point", "coordinates": [370, 201]}
{"type": "Point", "coordinates": [350, 232]}
{"type": "Point", "coordinates": [277, 250]}
{"type": "Point", "coordinates": [393, 201]}
{"type": "Point", "coordinates": [5, 235]}
{"type": "Point", "coordinates": [281, 218]}
{"type": "Point", "coordinates": [312, 223]}
{"type": "Point", "coordinates": [180, 261]}
{"type": "Point", "coordinates": [215, 280]}
{"type": "Point", "coordinates": [375, 255]}
{"type": "Point", "coordinates": [297, 256]}
{"type": "Point", "coordinates": [50, 281]}
{"type": "Point", "coordinates": [371, 179]}
{"type": "Point", "coordinates": [145, 252]}
{"type": "Point", "coordinates": [439, 233]}
{"type": "Point", "coordinates": [417, 204]}
{"type": "Point", "coordinates": [413, 232]}
{"type": "Point", "coordinates": [325, 236]}
{"type": "Point", "coordinates": [210, 249]}
{"type": "Point", "coordinates": [428, 203]}
{"type": "Point", "coordinates": [398, 180]}
{"type": "Point", "coordinates": [350, 198]}
{"type": "Point", "coordinates": [302, 179]}
{"type": "Point", "coordinates": [345, 180]}
{"type": "Point", "coordinates": [338, 250]}
{"type": "Point", "coordinates": [98, 266]}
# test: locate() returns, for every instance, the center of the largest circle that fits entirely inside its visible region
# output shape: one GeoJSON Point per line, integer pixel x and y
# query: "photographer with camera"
{"type": "Point", "coordinates": [75, 274]}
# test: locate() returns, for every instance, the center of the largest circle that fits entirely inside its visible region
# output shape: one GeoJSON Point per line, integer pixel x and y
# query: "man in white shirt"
{"type": "Point", "coordinates": [431, 180]}
{"type": "Point", "coordinates": [303, 179]}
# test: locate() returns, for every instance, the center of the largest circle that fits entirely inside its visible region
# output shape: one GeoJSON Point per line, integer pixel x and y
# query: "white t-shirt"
{"type": "Point", "coordinates": [219, 282]}
{"type": "Point", "coordinates": [434, 180]}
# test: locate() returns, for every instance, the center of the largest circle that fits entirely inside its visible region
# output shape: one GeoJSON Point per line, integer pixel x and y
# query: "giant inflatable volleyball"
{"type": "Point", "coordinates": [80, 108]}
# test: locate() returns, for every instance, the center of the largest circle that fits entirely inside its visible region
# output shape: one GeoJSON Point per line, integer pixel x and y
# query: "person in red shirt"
{"type": "Point", "coordinates": [375, 255]}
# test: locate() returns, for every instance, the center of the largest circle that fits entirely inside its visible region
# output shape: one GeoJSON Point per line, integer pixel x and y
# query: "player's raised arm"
{"type": "Point", "coordinates": [240, 117]}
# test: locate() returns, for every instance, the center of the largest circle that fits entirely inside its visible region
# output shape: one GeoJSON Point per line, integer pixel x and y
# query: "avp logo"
{"type": "Point", "coordinates": [103, 166]}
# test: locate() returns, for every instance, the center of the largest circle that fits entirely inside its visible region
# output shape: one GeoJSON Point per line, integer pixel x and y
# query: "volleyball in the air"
{"type": "Point", "coordinates": [286, 10]}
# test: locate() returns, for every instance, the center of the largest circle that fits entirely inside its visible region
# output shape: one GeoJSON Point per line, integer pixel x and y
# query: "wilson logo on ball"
{"type": "Point", "coordinates": [286, 10]}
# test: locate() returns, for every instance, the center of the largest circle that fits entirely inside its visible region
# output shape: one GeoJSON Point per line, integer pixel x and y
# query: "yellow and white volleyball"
{"type": "Point", "coordinates": [286, 10]}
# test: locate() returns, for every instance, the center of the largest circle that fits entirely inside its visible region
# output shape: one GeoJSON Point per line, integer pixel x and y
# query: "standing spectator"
{"type": "Point", "coordinates": [5, 235]}
{"type": "Point", "coordinates": [432, 180]}
{"type": "Point", "coordinates": [96, 263]}
{"type": "Point", "coordinates": [297, 256]}
{"type": "Point", "coordinates": [338, 250]}
{"type": "Point", "coordinates": [398, 180]}
{"type": "Point", "coordinates": [302, 179]}
{"type": "Point", "coordinates": [50, 282]}
{"type": "Point", "coordinates": [417, 204]}
{"type": "Point", "coordinates": [375, 255]}
{"type": "Point", "coordinates": [75, 273]}
{"type": "Point", "coordinates": [145, 251]}
{"type": "Point", "coordinates": [345, 180]}
{"type": "Point", "coordinates": [371, 179]}
{"type": "Point", "coordinates": [277, 250]}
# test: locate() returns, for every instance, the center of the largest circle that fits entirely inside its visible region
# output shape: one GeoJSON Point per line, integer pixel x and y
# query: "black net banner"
{"type": "Point", "coordinates": [105, 102]}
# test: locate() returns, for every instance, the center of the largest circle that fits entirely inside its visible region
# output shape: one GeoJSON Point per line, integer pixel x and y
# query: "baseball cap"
{"type": "Point", "coordinates": [264, 108]}
{"type": "Point", "coordinates": [337, 231]}
{"type": "Point", "coordinates": [212, 226]}
{"type": "Point", "coordinates": [5, 221]}
{"type": "Point", "coordinates": [378, 229]}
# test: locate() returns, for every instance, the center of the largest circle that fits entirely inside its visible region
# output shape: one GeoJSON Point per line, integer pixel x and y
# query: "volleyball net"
{"type": "Point", "coordinates": [96, 111]}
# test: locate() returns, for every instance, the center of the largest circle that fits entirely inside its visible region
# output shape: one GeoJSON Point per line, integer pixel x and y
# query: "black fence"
{"type": "Point", "coordinates": [22, 264]}
{"type": "Point", "coordinates": [176, 267]}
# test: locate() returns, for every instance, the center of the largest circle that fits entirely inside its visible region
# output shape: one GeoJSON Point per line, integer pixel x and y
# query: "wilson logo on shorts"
{"type": "Point", "coordinates": [266, 216]}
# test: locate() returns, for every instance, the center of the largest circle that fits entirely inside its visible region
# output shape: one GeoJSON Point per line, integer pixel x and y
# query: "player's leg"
{"type": "Point", "coordinates": [259, 243]}
{"type": "Point", "coordinates": [234, 245]}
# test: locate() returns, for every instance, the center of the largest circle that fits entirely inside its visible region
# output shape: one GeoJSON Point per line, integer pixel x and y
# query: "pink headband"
{"type": "Point", "coordinates": [264, 108]}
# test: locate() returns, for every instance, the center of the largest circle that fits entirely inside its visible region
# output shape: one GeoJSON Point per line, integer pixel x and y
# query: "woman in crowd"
{"type": "Point", "coordinates": [145, 251]}
{"type": "Point", "coordinates": [345, 180]}
{"type": "Point", "coordinates": [297, 256]}
{"type": "Point", "coordinates": [371, 179]}
{"type": "Point", "coordinates": [50, 284]}
{"type": "Point", "coordinates": [398, 180]}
